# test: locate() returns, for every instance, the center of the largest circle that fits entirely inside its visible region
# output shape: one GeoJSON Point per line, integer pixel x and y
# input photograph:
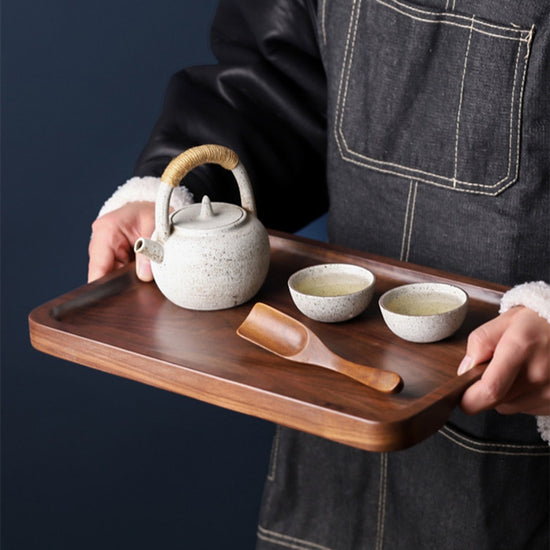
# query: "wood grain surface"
{"type": "Point", "coordinates": [125, 327]}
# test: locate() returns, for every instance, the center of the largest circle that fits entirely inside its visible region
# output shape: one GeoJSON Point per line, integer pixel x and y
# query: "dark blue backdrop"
{"type": "Point", "coordinates": [89, 460]}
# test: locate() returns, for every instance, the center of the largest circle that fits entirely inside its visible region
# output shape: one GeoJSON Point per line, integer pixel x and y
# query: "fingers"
{"type": "Point", "coordinates": [107, 251]}
{"type": "Point", "coordinates": [517, 378]}
{"type": "Point", "coordinates": [536, 401]}
{"type": "Point", "coordinates": [113, 238]}
{"type": "Point", "coordinates": [483, 341]}
{"type": "Point", "coordinates": [497, 380]}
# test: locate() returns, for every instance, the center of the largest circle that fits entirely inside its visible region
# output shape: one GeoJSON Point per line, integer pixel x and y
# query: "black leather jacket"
{"type": "Point", "coordinates": [265, 99]}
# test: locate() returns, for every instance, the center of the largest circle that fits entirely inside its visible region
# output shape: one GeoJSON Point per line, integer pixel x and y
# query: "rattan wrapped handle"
{"type": "Point", "coordinates": [191, 158]}
{"type": "Point", "coordinates": [187, 161]}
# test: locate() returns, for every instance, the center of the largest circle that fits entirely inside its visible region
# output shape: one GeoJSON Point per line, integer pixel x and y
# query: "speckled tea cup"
{"type": "Point", "coordinates": [332, 293]}
{"type": "Point", "coordinates": [424, 312]}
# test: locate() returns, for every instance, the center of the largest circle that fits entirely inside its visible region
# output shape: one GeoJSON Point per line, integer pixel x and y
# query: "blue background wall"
{"type": "Point", "coordinates": [89, 460]}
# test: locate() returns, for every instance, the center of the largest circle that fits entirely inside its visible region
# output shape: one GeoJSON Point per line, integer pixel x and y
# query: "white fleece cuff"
{"type": "Point", "coordinates": [144, 189]}
{"type": "Point", "coordinates": [535, 296]}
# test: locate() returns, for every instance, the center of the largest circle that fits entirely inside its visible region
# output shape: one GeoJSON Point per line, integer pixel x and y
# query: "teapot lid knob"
{"type": "Point", "coordinates": [206, 209]}
{"type": "Point", "coordinates": [207, 215]}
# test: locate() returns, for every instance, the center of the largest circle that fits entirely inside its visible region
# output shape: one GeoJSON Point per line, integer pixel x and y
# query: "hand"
{"type": "Point", "coordinates": [517, 379]}
{"type": "Point", "coordinates": [113, 237]}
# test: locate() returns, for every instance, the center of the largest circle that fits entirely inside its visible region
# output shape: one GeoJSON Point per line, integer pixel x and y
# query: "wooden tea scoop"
{"type": "Point", "coordinates": [275, 331]}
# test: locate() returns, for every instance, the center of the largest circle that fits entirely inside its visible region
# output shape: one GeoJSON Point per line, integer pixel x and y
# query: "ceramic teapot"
{"type": "Point", "coordinates": [211, 255]}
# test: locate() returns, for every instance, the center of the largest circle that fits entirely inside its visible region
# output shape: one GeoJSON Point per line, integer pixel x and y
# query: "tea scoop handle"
{"type": "Point", "coordinates": [181, 165]}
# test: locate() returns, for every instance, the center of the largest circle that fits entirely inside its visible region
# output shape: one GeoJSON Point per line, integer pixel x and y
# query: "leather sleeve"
{"type": "Point", "coordinates": [265, 98]}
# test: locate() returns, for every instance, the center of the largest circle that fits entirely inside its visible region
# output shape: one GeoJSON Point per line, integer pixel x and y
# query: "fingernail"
{"type": "Point", "coordinates": [465, 365]}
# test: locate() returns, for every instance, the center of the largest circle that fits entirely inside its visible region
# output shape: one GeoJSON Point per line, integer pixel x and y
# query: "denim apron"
{"type": "Point", "coordinates": [438, 153]}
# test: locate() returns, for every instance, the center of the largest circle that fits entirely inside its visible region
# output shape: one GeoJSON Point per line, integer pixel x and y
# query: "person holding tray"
{"type": "Point", "coordinates": [423, 129]}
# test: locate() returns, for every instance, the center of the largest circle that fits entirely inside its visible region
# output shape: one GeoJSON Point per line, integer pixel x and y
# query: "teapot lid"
{"type": "Point", "coordinates": [207, 215]}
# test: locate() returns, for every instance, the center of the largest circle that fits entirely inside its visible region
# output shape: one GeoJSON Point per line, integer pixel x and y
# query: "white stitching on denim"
{"type": "Point", "coordinates": [434, 17]}
{"type": "Point", "coordinates": [356, 7]}
{"type": "Point", "coordinates": [374, 164]}
{"type": "Point", "coordinates": [408, 224]}
{"type": "Point", "coordinates": [382, 501]}
{"type": "Point", "coordinates": [346, 68]}
{"type": "Point", "coordinates": [431, 182]}
{"type": "Point", "coordinates": [520, 99]}
{"type": "Point", "coordinates": [452, 6]}
{"type": "Point", "coordinates": [529, 40]}
{"type": "Point", "coordinates": [505, 449]}
{"type": "Point", "coordinates": [274, 455]}
{"type": "Point", "coordinates": [413, 210]}
{"type": "Point", "coordinates": [323, 21]}
{"type": "Point", "coordinates": [287, 541]}
{"type": "Point", "coordinates": [455, 174]}
{"type": "Point", "coordinates": [487, 444]}
{"type": "Point", "coordinates": [511, 133]}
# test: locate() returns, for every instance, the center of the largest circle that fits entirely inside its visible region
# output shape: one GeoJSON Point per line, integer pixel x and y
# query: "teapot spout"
{"type": "Point", "coordinates": [152, 249]}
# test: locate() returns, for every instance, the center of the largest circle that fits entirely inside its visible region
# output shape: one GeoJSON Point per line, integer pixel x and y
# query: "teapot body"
{"type": "Point", "coordinates": [207, 256]}
{"type": "Point", "coordinates": [211, 270]}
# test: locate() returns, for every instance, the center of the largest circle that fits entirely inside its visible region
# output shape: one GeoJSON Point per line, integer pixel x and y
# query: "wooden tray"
{"type": "Point", "coordinates": [125, 327]}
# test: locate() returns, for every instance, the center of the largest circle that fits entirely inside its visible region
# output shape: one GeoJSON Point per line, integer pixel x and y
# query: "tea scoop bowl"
{"type": "Point", "coordinates": [333, 292]}
{"type": "Point", "coordinates": [424, 312]}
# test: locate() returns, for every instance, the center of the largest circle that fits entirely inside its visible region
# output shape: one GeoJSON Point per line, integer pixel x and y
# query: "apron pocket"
{"type": "Point", "coordinates": [432, 96]}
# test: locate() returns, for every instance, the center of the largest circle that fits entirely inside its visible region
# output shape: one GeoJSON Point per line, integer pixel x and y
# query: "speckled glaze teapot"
{"type": "Point", "coordinates": [211, 255]}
